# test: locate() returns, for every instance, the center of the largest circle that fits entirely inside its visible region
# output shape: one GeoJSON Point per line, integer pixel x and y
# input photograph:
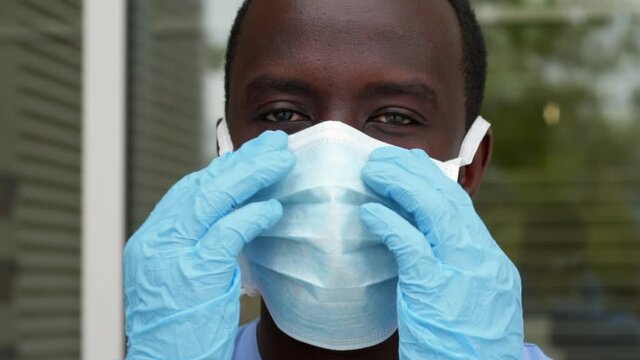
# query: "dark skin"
{"type": "Point", "coordinates": [390, 69]}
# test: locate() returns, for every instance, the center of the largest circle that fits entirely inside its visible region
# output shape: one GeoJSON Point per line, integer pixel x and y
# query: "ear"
{"type": "Point", "coordinates": [471, 175]}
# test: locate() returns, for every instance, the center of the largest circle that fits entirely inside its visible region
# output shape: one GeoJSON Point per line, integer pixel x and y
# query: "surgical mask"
{"type": "Point", "coordinates": [326, 280]}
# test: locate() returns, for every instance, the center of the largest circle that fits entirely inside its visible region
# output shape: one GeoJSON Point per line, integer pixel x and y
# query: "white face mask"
{"type": "Point", "coordinates": [326, 280]}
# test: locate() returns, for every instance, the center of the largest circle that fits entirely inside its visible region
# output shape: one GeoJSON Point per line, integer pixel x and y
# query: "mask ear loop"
{"type": "Point", "coordinates": [468, 149]}
{"type": "Point", "coordinates": [472, 140]}
{"type": "Point", "coordinates": [247, 287]}
{"type": "Point", "coordinates": [225, 145]}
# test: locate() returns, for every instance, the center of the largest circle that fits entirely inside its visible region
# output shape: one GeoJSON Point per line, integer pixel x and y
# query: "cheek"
{"type": "Point", "coordinates": [242, 127]}
{"type": "Point", "coordinates": [438, 142]}
{"type": "Point", "coordinates": [241, 133]}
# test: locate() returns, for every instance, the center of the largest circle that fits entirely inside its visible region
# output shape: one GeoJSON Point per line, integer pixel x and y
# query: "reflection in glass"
{"type": "Point", "coordinates": [40, 136]}
{"type": "Point", "coordinates": [165, 100]}
{"type": "Point", "coordinates": [563, 194]}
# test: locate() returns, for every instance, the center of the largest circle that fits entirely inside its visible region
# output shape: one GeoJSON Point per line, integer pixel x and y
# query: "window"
{"type": "Point", "coordinates": [563, 193]}
{"type": "Point", "coordinates": [40, 170]}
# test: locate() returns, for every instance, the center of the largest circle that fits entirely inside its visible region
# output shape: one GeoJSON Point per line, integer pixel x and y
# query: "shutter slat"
{"type": "Point", "coordinates": [50, 347]}
{"type": "Point", "coordinates": [46, 325]}
{"type": "Point", "coordinates": [55, 10]}
{"type": "Point", "coordinates": [47, 131]}
{"type": "Point", "coordinates": [46, 238]}
{"type": "Point", "coordinates": [50, 261]}
{"type": "Point", "coordinates": [37, 63]}
{"type": "Point", "coordinates": [47, 217]}
{"type": "Point", "coordinates": [43, 109]}
{"type": "Point", "coordinates": [52, 197]}
{"type": "Point", "coordinates": [49, 305]}
{"type": "Point", "coordinates": [51, 154]}
{"type": "Point", "coordinates": [50, 283]}
{"type": "Point", "coordinates": [44, 173]}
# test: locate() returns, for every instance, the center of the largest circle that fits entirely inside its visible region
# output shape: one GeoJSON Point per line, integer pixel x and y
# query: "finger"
{"type": "Point", "coordinates": [414, 194]}
{"type": "Point", "coordinates": [268, 141]}
{"type": "Point", "coordinates": [184, 188]}
{"type": "Point", "coordinates": [219, 196]}
{"type": "Point", "coordinates": [226, 239]}
{"type": "Point", "coordinates": [244, 175]}
{"type": "Point", "coordinates": [416, 161]}
{"type": "Point", "coordinates": [177, 200]}
{"type": "Point", "coordinates": [445, 223]}
{"type": "Point", "coordinates": [407, 243]}
{"type": "Point", "coordinates": [178, 207]}
{"type": "Point", "coordinates": [421, 165]}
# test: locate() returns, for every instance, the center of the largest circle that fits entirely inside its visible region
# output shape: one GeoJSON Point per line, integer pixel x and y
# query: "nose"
{"type": "Point", "coordinates": [339, 108]}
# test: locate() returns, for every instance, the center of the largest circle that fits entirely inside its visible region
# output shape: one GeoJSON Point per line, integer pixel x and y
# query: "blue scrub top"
{"type": "Point", "coordinates": [246, 347]}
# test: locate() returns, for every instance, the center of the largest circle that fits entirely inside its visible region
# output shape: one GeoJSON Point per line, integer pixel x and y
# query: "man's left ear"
{"type": "Point", "coordinates": [471, 175]}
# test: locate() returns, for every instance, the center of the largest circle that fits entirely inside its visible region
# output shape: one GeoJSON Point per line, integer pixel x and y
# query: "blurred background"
{"type": "Point", "coordinates": [562, 196]}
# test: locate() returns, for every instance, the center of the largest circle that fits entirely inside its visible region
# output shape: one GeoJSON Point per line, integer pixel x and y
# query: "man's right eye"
{"type": "Point", "coordinates": [285, 116]}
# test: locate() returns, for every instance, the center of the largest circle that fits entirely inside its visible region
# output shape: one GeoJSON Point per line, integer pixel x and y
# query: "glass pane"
{"type": "Point", "coordinates": [563, 194]}
{"type": "Point", "coordinates": [40, 137]}
{"type": "Point", "coordinates": [166, 61]}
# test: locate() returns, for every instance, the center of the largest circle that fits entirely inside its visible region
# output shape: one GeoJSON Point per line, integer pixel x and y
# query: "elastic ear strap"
{"type": "Point", "coordinates": [248, 288]}
{"type": "Point", "coordinates": [472, 141]}
{"type": "Point", "coordinates": [224, 139]}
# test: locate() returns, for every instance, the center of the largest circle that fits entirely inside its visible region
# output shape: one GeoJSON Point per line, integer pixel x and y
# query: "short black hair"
{"type": "Point", "coordinates": [474, 52]}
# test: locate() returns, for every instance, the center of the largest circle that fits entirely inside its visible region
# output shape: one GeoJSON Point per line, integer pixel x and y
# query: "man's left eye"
{"type": "Point", "coordinates": [393, 119]}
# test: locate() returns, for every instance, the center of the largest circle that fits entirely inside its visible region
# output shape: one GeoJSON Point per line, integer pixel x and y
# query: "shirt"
{"type": "Point", "coordinates": [246, 347]}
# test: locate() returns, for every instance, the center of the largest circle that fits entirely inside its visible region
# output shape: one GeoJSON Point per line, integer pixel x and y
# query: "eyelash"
{"type": "Point", "coordinates": [269, 116]}
{"type": "Point", "coordinates": [407, 119]}
{"type": "Point", "coordinates": [290, 112]}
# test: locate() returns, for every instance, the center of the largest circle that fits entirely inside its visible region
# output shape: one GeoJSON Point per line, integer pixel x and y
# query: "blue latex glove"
{"type": "Point", "coordinates": [182, 280]}
{"type": "Point", "coordinates": [459, 296]}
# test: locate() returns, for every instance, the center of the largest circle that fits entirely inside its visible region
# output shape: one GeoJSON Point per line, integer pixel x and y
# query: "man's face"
{"type": "Point", "coordinates": [391, 69]}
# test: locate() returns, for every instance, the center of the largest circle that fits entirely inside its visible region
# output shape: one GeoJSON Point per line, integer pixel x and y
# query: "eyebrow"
{"type": "Point", "coordinates": [416, 89]}
{"type": "Point", "coordinates": [279, 84]}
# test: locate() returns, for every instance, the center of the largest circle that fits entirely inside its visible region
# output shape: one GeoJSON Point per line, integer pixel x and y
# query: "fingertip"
{"type": "Point", "coordinates": [275, 208]}
{"type": "Point", "coordinates": [370, 208]}
{"type": "Point", "coordinates": [290, 158]}
{"type": "Point", "coordinates": [370, 170]}
{"type": "Point", "coordinates": [365, 212]}
{"type": "Point", "coordinates": [420, 153]}
{"type": "Point", "coordinates": [383, 222]}
{"type": "Point", "coordinates": [386, 153]}
{"type": "Point", "coordinates": [271, 210]}
{"type": "Point", "coordinates": [374, 174]}
{"type": "Point", "coordinates": [277, 140]}
{"type": "Point", "coordinates": [398, 155]}
{"type": "Point", "coordinates": [268, 141]}
{"type": "Point", "coordinates": [373, 214]}
{"type": "Point", "coordinates": [278, 164]}
{"type": "Point", "coordinates": [280, 157]}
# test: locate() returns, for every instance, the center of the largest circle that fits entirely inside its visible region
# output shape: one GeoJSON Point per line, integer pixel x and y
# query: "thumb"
{"type": "Point", "coordinates": [227, 237]}
{"type": "Point", "coordinates": [407, 243]}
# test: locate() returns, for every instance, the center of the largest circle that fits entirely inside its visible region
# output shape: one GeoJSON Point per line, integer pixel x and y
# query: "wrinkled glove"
{"type": "Point", "coordinates": [182, 280]}
{"type": "Point", "coordinates": [459, 296]}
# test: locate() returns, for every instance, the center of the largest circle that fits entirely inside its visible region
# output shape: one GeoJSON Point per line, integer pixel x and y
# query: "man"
{"type": "Point", "coordinates": [408, 73]}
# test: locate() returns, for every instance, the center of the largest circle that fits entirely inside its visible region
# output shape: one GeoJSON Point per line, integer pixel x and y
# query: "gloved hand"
{"type": "Point", "coordinates": [182, 281]}
{"type": "Point", "coordinates": [459, 296]}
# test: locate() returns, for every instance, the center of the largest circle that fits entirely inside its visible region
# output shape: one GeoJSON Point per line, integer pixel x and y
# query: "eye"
{"type": "Point", "coordinates": [285, 116]}
{"type": "Point", "coordinates": [393, 119]}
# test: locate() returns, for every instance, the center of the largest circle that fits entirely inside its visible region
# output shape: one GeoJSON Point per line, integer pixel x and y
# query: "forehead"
{"type": "Point", "coordinates": [417, 36]}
